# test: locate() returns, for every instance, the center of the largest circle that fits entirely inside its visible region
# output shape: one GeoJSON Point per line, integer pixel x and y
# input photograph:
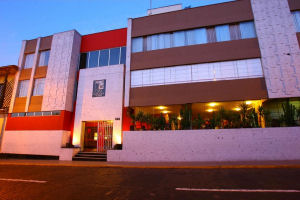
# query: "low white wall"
{"type": "Point", "coordinates": [34, 142]}
{"type": "Point", "coordinates": [209, 145]}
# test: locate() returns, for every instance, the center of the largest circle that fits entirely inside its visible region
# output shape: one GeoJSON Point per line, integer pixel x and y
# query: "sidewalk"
{"type": "Point", "coordinates": [196, 165]}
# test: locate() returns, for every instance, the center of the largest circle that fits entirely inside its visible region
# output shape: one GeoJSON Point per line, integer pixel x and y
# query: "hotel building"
{"type": "Point", "coordinates": [84, 93]}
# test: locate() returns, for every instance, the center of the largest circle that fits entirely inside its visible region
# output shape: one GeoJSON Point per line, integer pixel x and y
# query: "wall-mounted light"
{"type": "Point", "coordinates": [210, 110]}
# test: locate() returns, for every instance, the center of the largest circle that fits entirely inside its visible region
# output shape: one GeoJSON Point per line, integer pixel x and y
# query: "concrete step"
{"type": "Point", "coordinates": [88, 159]}
{"type": "Point", "coordinates": [90, 156]}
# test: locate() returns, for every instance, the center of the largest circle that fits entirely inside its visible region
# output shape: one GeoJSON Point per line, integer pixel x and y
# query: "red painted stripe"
{"type": "Point", "coordinates": [104, 40]}
{"type": "Point", "coordinates": [57, 122]}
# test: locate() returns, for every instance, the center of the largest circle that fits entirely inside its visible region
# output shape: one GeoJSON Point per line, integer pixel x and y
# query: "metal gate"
{"type": "Point", "coordinates": [98, 136]}
{"type": "Point", "coordinates": [105, 133]}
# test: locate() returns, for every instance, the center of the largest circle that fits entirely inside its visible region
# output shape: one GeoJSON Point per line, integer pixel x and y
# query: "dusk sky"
{"type": "Point", "coordinates": [29, 19]}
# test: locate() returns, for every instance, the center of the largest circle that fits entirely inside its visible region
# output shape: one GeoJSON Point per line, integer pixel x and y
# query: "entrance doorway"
{"type": "Point", "coordinates": [98, 136]}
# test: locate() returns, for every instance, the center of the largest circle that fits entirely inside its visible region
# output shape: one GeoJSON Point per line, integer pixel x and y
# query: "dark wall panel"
{"type": "Point", "coordinates": [294, 4]}
{"type": "Point", "coordinates": [30, 46]}
{"type": "Point", "coordinates": [46, 43]}
{"type": "Point", "coordinates": [228, 90]}
{"type": "Point", "coordinates": [223, 13]}
{"type": "Point", "coordinates": [195, 54]}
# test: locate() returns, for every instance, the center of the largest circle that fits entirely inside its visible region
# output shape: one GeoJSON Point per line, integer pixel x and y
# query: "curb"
{"type": "Point", "coordinates": [154, 166]}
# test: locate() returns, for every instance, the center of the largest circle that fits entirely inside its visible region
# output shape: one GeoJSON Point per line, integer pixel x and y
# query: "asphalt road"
{"type": "Point", "coordinates": [94, 183]}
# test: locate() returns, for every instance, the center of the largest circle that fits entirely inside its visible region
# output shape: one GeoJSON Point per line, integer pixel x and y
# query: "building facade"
{"type": "Point", "coordinates": [212, 67]}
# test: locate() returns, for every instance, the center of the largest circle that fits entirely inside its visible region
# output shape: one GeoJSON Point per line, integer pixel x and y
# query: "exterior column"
{"type": "Point", "coordinates": [127, 67]}
{"type": "Point", "coordinates": [17, 76]}
{"type": "Point", "coordinates": [31, 81]}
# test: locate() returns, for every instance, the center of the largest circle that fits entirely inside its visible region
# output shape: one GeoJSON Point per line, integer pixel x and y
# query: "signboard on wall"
{"type": "Point", "coordinates": [99, 88]}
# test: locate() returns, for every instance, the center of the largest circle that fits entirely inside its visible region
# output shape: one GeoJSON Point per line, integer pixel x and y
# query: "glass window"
{"type": "Point", "coordinates": [38, 89]}
{"type": "Point", "coordinates": [200, 36]}
{"type": "Point", "coordinates": [28, 61]}
{"type": "Point", "coordinates": [190, 37]}
{"type": "Point", "coordinates": [222, 33]}
{"type": "Point", "coordinates": [22, 114]}
{"type": "Point", "coordinates": [44, 58]}
{"type": "Point", "coordinates": [296, 16]}
{"type": "Point", "coordinates": [164, 40]}
{"type": "Point", "coordinates": [30, 114]}
{"type": "Point", "coordinates": [104, 55]}
{"type": "Point", "coordinates": [152, 42]}
{"type": "Point", "coordinates": [22, 89]}
{"type": "Point", "coordinates": [178, 38]}
{"type": "Point", "coordinates": [114, 58]}
{"type": "Point", "coordinates": [123, 55]}
{"type": "Point", "coordinates": [93, 59]}
{"type": "Point", "coordinates": [211, 35]}
{"type": "Point", "coordinates": [137, 44]}
{"type": "Point", "coordinates": [55, 112]}
{"type": "Point", "coordinates": [235, 33]}
{"type": "Point", "coordinates": [83, 60]}
{"type": "Point", "coordinates": [247, 30]}
{"type": "Point", "coordinates": [14, 114]}
{"type": "Point", "coordinates": [46, 113]}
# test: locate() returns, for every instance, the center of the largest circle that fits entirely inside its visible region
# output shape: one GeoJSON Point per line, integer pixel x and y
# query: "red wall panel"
{"type": "Point", "coordinates": [126, 120]}
{"type": "Point", "coordinates": [58, 122]}
{"type": "Point", "coordinates": [104, 40]}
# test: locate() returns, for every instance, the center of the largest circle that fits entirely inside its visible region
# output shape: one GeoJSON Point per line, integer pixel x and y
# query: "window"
{"type": "Point", "coordinates": [38, 89]}
{"type": "Point", "coordinates": [222, 33]}
{"type": "Point", "coordinates": [160, 41]}
{"type": "Point", "coordinates": [44, 58]}
{"type": "Point", "coordinates": [104, 56]}
{"type": "Point", "coordinates": [123, 55]}
{"type": "Point", "coordinates": [83, 60]}
{"type": "Point", "coordinates": [179, 38]}
{"type": "Point", "coordinates": [235, 33]}
{"type": "Point", "coordinates": [28, 61]}
{"type": "Point", "coordinates": [228, 70]}
{"type": "Point", "coordinates": [211, 35]}
{"type": "Point", "coordinates": [296, 15]}
{"type": "Point", "coordinates": [137, 44]}
{"type": "Point", "coordinates": [93, 59]}
{"type": "Point", "coordinates": [114, 58]}
{"type": "Point", "coordinates": [200, 36]}
{"type": "Point", "coordinates": [247, 30]}
{"type": "Point", "coordinates": [22, 88]}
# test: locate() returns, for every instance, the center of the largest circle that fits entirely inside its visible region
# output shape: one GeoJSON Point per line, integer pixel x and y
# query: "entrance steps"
{"type": "Point", "coordinates": [90, 156]}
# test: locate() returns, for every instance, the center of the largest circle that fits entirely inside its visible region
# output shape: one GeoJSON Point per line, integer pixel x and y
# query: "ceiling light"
{"type": "Point", "coordinates": [237, 109]}
{"type": "Point", "coordinates": [248, 102]}
{"type": "Point", "coordinates": [161, 107]}
{"type": "Point", "coordinates": [213, 104]}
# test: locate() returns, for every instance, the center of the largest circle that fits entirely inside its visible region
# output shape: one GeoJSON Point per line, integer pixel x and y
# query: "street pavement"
{"type": "Point", "coordinates": [63, 182]}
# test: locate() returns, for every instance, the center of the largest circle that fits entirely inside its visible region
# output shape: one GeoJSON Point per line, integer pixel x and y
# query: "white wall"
{"type": "Point", "coordinates": [34, 142]}
{"type": "Point", "coordinates": [209, 145]}
{"type": "Point", "coordinates": [109, 107]}
{"type": "Point", "coordinates": [279, 47]}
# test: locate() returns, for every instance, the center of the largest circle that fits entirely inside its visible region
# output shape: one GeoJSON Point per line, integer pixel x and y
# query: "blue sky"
{"type": "Point", "coordinates": [28, 19]}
